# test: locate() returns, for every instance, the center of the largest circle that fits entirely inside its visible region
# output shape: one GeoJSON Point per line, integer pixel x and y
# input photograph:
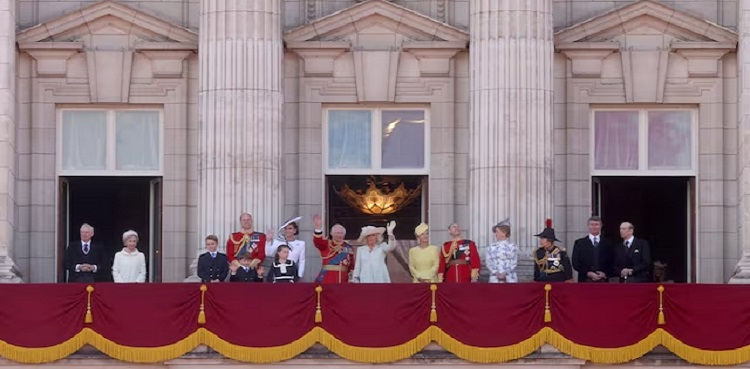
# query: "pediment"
{"type": "Point", "coordinates": [646, 24]}
{"type": "Point", "coordinates": [109, 21]}
{"type": "Point", "coordinates": [376, 20]}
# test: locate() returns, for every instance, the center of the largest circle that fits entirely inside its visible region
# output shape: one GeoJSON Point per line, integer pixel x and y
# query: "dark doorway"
{"type": "Point", "coordinates": [112, 205]}
{"type": "Point", "coordinates": [660, 208]}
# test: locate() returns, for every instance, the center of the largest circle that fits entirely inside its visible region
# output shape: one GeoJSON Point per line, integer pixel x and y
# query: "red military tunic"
{"type": "Point", "coordinates": [459, 261]}
{"type": "Point", "coordinates": [254, 243]}
{"type": "Point", "coordinates": [338, 260]}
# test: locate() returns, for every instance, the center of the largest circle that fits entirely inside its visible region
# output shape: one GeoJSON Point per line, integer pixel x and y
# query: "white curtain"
{"type": "Point", "coordinates": [403, 139]}
{"type": "Point", "coordinates": [349, 139]}
{"type": "Point", "coordinates": [137, 136]}
{"type": "Point", "coordinates": [670, 141]}
{"type": "Point", "coordinates": [84, 140]}
{"type": "Point", "coordinates": [616, 140]}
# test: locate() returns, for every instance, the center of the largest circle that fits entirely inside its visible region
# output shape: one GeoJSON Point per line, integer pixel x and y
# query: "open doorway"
{"type": "Point", "coordinates": [662, 211]}
{"type": "Point", "coordinates": [112, 205]}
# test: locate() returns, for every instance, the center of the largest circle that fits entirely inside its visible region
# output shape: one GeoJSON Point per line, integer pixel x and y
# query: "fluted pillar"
{"type": "Point", "coordinates": [8, 270]}
{"type": "Point", "coordinates": [742, 272]}
{"type": "Point", "coordinates": [241, 65]}
{"type": "Point", "coordinates": [511, 118]}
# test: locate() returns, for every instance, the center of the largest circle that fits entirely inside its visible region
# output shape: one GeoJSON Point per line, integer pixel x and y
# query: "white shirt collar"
{"type": "Point", "coordinates": [83, 243]}
{"type": "Point", "coordinates": [630, 241]}
{"type": "Point", "coordinates": [592, 237]}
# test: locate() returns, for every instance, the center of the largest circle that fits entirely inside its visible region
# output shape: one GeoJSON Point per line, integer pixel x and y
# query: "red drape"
{"type": "Point", "coordinates": [601, 316]}
{"type": "Point", "coordinates": [259, 314]}
{"type": "Point", "coordinates": [378, 315]}
{"type": "Point", "coordinates": [487, 315]}
{"type": "Point", "coordinates": [378, 318]}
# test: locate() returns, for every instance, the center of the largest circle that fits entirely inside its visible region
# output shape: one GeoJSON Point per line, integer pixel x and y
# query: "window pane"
{"type": "Point", "coordinates": [403, 139]}
{"type": "Point", "coordinates": [616, 140]}
{"type": "Point", "coordinates": [670, 140]}
{"type": "Point", "coordinates": [84, 140]}
{"type": "Point", "coordinates": [349, 139]}
{"type": "Point", "coordinates": [137, 136]}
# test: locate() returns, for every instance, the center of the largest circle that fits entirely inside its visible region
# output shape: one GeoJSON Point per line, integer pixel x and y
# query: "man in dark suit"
{"type": "Point", "coordinates": [84, 258]}
{"type": "Point", "coordinates": [593, 256]}
{"type": "Point", "coordinates": [632, 257]}
{"type": "Point", "coordinates": [213, 266]}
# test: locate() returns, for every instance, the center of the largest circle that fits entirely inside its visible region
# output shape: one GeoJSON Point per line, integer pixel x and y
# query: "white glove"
{"type": "Point", "coordinates": [390, 227]}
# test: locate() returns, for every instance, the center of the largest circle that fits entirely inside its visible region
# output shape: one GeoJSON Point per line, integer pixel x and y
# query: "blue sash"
{"type": "Point", "coordinates": [335, 261]}
{"type": "Point", "coordinates": [253, 239]}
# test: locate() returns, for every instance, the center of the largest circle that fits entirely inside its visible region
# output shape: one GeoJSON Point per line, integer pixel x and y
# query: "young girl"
{"type": "Point", "coordinates": [282, 270]}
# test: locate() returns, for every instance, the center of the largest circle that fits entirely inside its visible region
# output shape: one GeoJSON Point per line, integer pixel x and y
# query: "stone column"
{"type": "Point", "coordinates": [240, 97]}
{"type": "Point", "coordinates": [8, 270]}
{"type": "Point", "coordinates": [511, 119]}
{"type": "Point", "coordinates": [742, 272]}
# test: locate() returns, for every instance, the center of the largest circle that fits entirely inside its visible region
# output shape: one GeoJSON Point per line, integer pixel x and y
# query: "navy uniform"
{"type": "Point", "coordinates": [213, 266]}
{"type": "Point", "coordinates": [553, 264]}
{"type": "Point", "coordinates": [245, 274]}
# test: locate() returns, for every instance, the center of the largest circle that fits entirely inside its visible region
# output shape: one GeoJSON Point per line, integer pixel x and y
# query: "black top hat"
{"type": "Point", "coordinates": [548, 233]}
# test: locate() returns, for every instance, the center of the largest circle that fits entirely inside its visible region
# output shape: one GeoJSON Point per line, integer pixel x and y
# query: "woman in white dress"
{"type": "Point", "coordinates": [502, 255]}
{"type": "Point", "coordinates": [288, 236]}
{"type": "Point", "coordinates": [130, 264]}
{"type": "Point", "coordinates": [370, 266]}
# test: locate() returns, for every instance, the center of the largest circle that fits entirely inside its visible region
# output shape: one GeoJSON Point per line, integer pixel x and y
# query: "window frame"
{"type": "Point", "coordinates": [643, 121]}
{"type": "Point", "coordinates": [111, 153]}
{"type": "Point", "coordinates": [376, 146]}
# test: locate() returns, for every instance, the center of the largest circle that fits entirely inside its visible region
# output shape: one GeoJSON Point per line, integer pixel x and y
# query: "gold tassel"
{"type": "Point", "coordinates": [89, 317]}
{"type": "Point", "coordinates": [202, 313]}
{"type": "Point", "coordinates": [547, 312]}
{"type": "Point", "coordinates": [433, 310]}
{"type": "Point", "coordinates": [318, 313]}
{"type": "Point", "coordinates": [660, 320]}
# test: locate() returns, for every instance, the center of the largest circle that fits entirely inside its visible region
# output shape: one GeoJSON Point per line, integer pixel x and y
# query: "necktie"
{"type": "Point", "coordinates": [596, 241]}
{"type": "Point", "coordinates": [85, 248]}
{"type": "Point", "coordinates": [627, 244]}
{"type": "Point", "coordinates": [213, 255]}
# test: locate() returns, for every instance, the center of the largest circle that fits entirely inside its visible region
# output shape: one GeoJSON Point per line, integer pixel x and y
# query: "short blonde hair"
{"type": "Point", "coordinates": [128, 234]}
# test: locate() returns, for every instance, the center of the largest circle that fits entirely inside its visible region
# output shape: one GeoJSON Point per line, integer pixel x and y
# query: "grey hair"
{"type": "Point", "coordinates": [87, 226]}
{"type": "Point", "coordinates": [128, 234]}
{"type": "Point", "coordinates": [338, 226]}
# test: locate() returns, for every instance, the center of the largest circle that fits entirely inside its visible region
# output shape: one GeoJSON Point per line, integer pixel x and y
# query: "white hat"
{"type": "Point", "coordinates": [368, 230]}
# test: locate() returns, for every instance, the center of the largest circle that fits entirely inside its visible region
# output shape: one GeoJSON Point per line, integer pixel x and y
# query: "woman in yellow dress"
{"type": "Point", "coordinates": [423, 258]}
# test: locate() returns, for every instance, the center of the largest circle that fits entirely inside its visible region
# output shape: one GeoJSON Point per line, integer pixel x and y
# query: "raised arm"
{"type": "Point", "coordinates": [391, 238]}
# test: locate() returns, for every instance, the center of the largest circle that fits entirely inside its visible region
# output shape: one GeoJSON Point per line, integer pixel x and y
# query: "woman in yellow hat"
{"type": "Point", "coordinates": [423, 258]}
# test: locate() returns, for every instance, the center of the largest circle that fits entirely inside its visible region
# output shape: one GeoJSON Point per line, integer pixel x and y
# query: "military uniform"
{"type": "Point", "coordinates": [552, 265]}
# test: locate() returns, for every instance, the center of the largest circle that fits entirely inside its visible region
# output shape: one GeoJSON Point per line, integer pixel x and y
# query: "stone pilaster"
{"type": "Point", "coordinates": [240, 97]}
{"type": "Point", "coordinates": [742, 272]}
{"type": "Point", "coordinates": [8, 269]}
{"type": "Point", "coordinates": [511, 119]}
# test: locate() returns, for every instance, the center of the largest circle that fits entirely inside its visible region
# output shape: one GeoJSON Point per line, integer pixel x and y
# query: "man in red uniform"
{"type": "Point", "coordinates": [337, 255]}
{"type": "Point", "coordinates": [246, 241]}
{"type": "Point", "coordinates": [459, 260]}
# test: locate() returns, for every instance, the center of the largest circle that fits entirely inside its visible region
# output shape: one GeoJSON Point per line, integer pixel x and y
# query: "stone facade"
{"type": "Point", "coordinates": [451, 57]}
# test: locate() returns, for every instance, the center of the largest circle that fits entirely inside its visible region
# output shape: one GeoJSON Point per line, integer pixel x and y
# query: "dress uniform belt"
{"type": "Point", "coordinates": [458, 262]}
{"type": "Point", "coordinates": [336, 268]}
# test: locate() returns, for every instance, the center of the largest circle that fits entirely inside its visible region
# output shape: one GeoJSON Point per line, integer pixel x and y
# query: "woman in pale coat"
{"type": "Point", "coordinates": [502, 255]}
{"type": "Point", "coordinates": [423, 258]}
{"type": "Point", "coordinates": [130, 264]}
{"type": "Point", "coordinates": [370, 266]}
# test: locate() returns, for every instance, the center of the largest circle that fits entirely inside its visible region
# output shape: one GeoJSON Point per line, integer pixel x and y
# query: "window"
{"type": "Point", "coordinates": [110, 142]}
{"type": "Point", "coordinates": [376, 140]}
{"type": "Point", "coordinates": [643, 142]}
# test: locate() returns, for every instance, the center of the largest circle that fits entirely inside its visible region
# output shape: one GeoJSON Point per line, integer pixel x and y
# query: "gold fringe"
{"type": "Point", "coordinates": [202, 312]}
{"type": "Point", "coordinates": [603, 355]}
{"type": "Point", "coordinates": [433, 309]}
{"type": "Point", "coordinates": [547, 312]}
{"type": "Point", "coordinates": [377, 354]}
{"type": "Point", "coordinates": [660, 320]}
{"type": "Point", "coordinates": [318, 312]}
{"type": "Point", "coordinates": [474, 354]}
{"type": "Point", "coordinates": [260, 354]}
{"type": "Point", "coordinates": [488, 355]}
{"type": "Point", "coordinates": [89, 317]}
